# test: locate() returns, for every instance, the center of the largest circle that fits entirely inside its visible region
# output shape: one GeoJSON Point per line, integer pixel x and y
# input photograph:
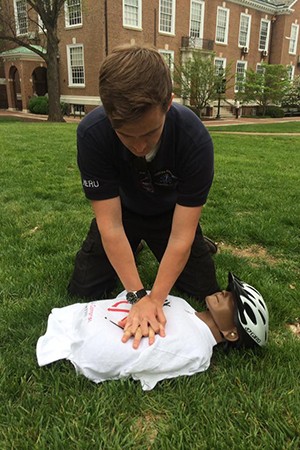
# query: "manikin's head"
{"type": "Point", "coordinates": [239, 314]}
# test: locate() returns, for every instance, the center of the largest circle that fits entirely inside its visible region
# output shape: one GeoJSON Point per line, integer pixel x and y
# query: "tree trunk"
{"type": "Point", "coordinates": [55, 113]}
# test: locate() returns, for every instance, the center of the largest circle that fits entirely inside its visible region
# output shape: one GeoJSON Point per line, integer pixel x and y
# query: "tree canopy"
{"type": "Point", "coordinates": [42, 19]}
{"type": "Point", "coordinates": [198, 81]}
{"type": "Point", "coordinates": [265, 87]}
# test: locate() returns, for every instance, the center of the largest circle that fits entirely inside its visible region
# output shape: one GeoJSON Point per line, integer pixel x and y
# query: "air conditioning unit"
{"type": "Point", "coordinates": [31, 35]}
{"type": "Point", "coordinates": [264, 53]}
{"type": "Point", "coordinates": [245, 50]}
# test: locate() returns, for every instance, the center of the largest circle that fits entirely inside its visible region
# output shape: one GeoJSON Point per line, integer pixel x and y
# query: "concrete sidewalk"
{"type": "Point", "coordinates": [207, 123]}
{"type": "Point", "coordinates": [248, 121]}
{"type": "Point", "coordinates": [34, 117]}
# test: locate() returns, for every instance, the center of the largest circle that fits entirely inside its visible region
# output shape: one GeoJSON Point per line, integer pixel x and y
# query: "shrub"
{"type": "Point", "coordinates": [65, 108]}
{"type": "Point", "coordinates": [271, 111]}
{"type": "Point", "coordinates": [275, 111]}
{"type": "Point", "coordinates": [39, 105]}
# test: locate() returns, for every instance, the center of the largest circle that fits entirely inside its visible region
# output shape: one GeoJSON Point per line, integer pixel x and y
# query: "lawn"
{"type": "Point", "coordinates": [245, 400]}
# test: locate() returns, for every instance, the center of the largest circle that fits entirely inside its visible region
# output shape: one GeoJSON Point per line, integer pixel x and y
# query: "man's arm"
{"type": "Point", "coordinates": [109, 220]}
{"type": "Point", "coordinates": [185, 221]}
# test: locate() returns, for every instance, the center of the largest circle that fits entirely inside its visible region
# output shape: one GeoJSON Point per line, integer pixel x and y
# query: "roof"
{"type": "Point", "coordinates": [273, 6]}
{"type": "Point", "coordinates": [22, 53]}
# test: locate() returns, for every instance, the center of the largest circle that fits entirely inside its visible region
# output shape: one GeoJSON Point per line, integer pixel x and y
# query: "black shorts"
{"type": "Point", "coordinates": [94, 277]}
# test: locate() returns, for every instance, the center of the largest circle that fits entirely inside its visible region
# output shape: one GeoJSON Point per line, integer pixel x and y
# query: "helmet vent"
{"type": "Point", "coordinates": [250, 313]}
{"type": "Point", "coordinates": [262, 304]}
{"type": "Point", "coordinates": [262, 317]}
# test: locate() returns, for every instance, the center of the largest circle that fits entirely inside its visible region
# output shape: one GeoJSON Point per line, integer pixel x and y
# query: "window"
{"type": "Point", "coordinates": [264, 35]}
{"type": "Point", "coordinates": [244, 34]}
{"type": "Point", "coordinates": [196, 19]}
{"type": "Point", "coordinates": [167, 16]}
{"type": "Point", "coordinates": [21, 17]}
{"type": "Point", "coordinates": [220, 64]}
{"type": "Point", "coordinates": [168, 56]}
{"type": "Point", "coordinates": [294, 38]}
{"type": "Point", "coordinates": [222, 25]}
{"type": "Point", "coordinates": [73, 13]}
{"type": "Point", "coordinates": [77, 110]}
{"type": "Point", "coordinates": [291, 72]}
{"type": "Point", "coordinates": [132, 13]}
{"type": "Point", "coordinates": [259, 68]}
{"type": "Point", "coordinates": [241, 67]}
{"type": "Point", "coordinates": [76, 65]}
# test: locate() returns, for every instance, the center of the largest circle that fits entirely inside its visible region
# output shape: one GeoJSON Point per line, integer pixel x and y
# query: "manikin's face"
{"type": "Point", "coordinates": [221, 306]}
{"type": "Point", "coordinates": [142, 136]}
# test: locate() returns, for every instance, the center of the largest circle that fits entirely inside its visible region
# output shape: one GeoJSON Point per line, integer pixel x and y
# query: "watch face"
{"type": "Point", "coordinates": [131, 297]}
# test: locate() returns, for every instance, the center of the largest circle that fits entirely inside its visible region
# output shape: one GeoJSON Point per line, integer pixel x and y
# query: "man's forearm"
{"type": "Point", "coordinates": [120, 255]}
{"type": "Point", "coordinates": [171, 266]}
{"type": "Point", "coordinates": [109, 221]}
{"type": "Point", "coordinates": [184, 225]}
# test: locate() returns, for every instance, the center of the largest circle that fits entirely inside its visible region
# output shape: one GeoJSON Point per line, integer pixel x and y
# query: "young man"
{"type": "Point", "coordinates": [147, 167]}
{"type": "Point", "coordinates": [88, 335]}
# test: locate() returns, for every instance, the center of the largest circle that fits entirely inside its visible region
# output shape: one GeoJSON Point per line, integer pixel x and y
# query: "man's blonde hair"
{"type": "Point", "coordinates": [132, 79]}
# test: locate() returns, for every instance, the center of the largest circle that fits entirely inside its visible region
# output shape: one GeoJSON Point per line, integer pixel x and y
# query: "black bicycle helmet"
{"type": "Point", "coordinates": [251, 313]}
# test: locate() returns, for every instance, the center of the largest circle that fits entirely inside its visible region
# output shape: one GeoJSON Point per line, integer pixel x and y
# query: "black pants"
{"type": "Point", "coordinates": [94, 276]}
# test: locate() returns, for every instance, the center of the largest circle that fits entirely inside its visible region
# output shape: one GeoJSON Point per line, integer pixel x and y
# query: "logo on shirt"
{"type": "Point", "coordinates": [90, 183]}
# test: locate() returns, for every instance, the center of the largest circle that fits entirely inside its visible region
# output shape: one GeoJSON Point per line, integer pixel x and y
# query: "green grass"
{"type": "Point", "coordinates": [281, 127]}
{"type": "Point", "coordinates": [244, 401]}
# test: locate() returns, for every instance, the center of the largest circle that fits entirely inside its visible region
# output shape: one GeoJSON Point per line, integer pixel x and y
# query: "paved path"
{"type": "Point", "coordinates": [248, 121]}
{"type": "Point", "coordinates": [208, 123]}
{"type": "Point", "coordinates": [33, 117]}
{"type": "Point", "coordinates": [254, 133]}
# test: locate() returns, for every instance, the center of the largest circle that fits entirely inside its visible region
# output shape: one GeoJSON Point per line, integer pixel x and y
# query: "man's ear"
{"type": "Point", "coordinates": [231, 335]}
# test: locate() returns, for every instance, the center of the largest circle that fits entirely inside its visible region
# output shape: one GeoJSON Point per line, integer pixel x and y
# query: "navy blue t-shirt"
{"type": "Point", "coordinates": [181, 171]}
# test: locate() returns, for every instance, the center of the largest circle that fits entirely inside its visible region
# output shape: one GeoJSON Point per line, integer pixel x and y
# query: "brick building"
{"type": "Point", "coordinates": [244, 33]}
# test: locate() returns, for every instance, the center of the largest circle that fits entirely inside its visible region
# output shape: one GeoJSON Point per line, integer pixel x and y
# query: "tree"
{"type": "Point", "coordinates": [265, 87]}
{"type": "Point", "coordinates": [291, 98]}
{"type": "Point", "coordinates": [42, 18]}
{"type": "Point", "coordinates": [198, 81]}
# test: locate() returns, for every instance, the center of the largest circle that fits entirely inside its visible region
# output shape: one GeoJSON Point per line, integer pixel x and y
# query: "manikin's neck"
{"type": "Point", "coordinates": [207, 318]}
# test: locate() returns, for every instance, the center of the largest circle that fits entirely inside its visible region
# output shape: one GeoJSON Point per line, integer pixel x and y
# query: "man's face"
{"type": "Point", "coordinates": [221, 306]}
{"type": "Point", "coordinates": [142, 135]}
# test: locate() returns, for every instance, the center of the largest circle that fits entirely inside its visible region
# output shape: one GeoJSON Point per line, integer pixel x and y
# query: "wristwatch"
{"type": "Point", "coordinates": [133, 297]}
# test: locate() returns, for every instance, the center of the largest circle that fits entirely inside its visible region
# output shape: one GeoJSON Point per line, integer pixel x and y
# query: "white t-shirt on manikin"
{"type": "Point", "coordinates": [84, 334]}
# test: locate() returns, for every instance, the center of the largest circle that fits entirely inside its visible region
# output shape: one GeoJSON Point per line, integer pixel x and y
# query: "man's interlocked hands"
{"type": "Point", "coordinates": [146, 319]}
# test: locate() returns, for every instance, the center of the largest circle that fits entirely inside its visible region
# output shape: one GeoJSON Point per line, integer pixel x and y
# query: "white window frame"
{"type": "Point", "coordinates": [259, 68]}
{"type": "Point", "coordinates": [194, 5]}
{"type": "Point", "coordinates": [245, 43]}
{"type": "Point", "coordinates": [20, 32]}
{"type": "Point", "coordinates": [219, 63]}
{"type": "Point", "coordinates": [294, 39]}
{"type": "Point", "coordinates": [239, 62]}
{"type": "Point", "coordinates": [70, 73]}
{"type": "Point", "coordinates": [67, 16]}
{"type": "Point", "coordinates": [291, 72]}
{"type": "Point", "coordinates": [266, 46]}
{"type": "Point", "coordinates": [219, 26]}
{"type": "Point", "coordinates": [126, 12]}
{"type": "Point", "coordinates": [169, 57]}
{"type": "Point", "coordinates": [172, 21]}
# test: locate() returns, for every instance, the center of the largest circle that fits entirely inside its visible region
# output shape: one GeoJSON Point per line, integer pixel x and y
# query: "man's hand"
{"type": "Point", "coordinates": [137, 337]}
{"type": "Point", "coordinates": [146, 318]}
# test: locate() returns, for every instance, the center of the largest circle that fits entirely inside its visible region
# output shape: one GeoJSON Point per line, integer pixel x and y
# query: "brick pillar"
{"type": "Point", "coordinates": [10, 87]}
